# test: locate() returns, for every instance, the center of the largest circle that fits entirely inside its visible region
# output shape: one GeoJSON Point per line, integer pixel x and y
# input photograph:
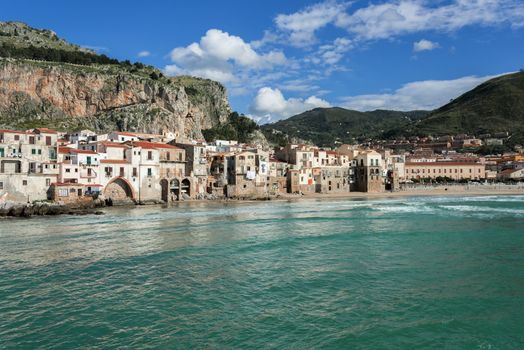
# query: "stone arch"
{"type": "Point", "coordinates": [118, 190]}
{"type": "Point", "coordinates": [174, 189]}
{"type": "Point", "coordinates": [186, 187]}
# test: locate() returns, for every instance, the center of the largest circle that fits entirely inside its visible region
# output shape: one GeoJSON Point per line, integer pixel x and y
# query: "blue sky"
{"type": "Point", "coordinates": [279, 58]}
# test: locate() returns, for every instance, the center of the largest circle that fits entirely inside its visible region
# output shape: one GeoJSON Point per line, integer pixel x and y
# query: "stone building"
{"type": "Point", "coordinates": [368, 172]}
{"type": "Point", "coordinates": [332, 179]}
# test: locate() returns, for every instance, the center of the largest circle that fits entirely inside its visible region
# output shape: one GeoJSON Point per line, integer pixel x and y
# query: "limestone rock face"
{"type": "Point", "coordinates": [105, 98]}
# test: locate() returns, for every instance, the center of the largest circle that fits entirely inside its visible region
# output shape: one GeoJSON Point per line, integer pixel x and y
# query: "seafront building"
{"type": "Point", "coordinates": [121, 167]}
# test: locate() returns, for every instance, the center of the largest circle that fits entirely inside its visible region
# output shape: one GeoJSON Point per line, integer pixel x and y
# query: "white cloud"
{"type": "Point", "coordinates": [271, 104]}
{"type": "Point", "coordinates": [221, 56]}
{"type": "Point", "coordinates": [144, 54]}
{"type": "Point", "coordinates": [425, 45]}
{"type": "Point", "coordinates": [419, 95]}
{"type": "Point", "coordinates": [301, 26]}
{"type": "Point", "coordinates": [408, 16]}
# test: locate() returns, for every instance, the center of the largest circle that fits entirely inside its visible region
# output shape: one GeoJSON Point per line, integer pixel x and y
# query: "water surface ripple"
{"type": "Point", "coordinates": [403, 273]}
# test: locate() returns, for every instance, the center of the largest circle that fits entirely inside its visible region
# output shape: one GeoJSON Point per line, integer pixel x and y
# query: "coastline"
{"type": "Point", "coordinates": [56, 209]}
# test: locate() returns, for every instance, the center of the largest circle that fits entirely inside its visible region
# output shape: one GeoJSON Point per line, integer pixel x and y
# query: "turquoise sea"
{"type": "Point", "coordinates": [400, 273]}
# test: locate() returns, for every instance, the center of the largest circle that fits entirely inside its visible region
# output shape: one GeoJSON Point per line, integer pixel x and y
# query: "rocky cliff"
{"type": "Point", "coordinates": [106, 97]}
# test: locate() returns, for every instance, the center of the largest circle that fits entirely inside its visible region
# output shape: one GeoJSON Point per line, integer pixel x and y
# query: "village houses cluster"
{"type": "Point", "coordinates": [43, 164]}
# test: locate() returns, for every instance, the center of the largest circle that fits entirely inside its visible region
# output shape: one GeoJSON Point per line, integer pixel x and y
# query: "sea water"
{"type": "Point", "coordinates": [399, 273]}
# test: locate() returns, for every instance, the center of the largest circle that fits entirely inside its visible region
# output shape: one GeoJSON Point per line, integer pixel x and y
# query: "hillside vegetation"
{"type": "Point", "coordinates": [327, 126]}
{"type": "Point", "coordinates": [494, 106]}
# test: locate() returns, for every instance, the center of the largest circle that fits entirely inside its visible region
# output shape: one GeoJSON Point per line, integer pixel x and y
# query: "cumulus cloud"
{"type": "Point", "coordinates": [393, 18]}
{"type": "Point", "coordinates": [272, 104]}
{"type": "Point", "coordinates": [219, 56]}
{"type": "Point", "coordinates": [302, 25]}
{"type": "Point", "coordinates": [419, 95]}
{"type": "Point", "coordinates": [425, 45]}
{"type": "Point", "coordinates": [408, 16]}
{"type": "Point", "coordinates": [144, 54]}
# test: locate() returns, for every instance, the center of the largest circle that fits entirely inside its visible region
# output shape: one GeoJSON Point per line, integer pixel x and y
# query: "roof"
{"type": "Point", "coordinates": [83, 151]}
{"type": "Point", "coordinates": [45, 131]}
{"type": "Point", "coordinates": [64, 150]}
{"type": "Point", "coordinates": [442, 163]}
{"type": "Point", "coordinates": [151, 145]}
{"type": "Point", "coordinates": [114, 144]}
{"type": "Point", "coordinates": [124, 133]}
{"type": "Point", "coordinates": [509, 171]}
{"type": "Point", "coordinates": [16, 131]}
{"type": "Point", "coordinates": [114, 161]}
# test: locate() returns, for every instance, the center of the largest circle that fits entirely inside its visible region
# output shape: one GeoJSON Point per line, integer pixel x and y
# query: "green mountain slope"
{"type": "Point", "coordinates": [325, 126]}
{"type": "Point", "coordinates": [496, 105]}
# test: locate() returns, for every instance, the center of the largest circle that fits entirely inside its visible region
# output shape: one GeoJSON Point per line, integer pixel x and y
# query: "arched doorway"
{"type": "Point", "coordinates": [174, 190]}
{"type": "Point", "coordinates": [117, 191]}
{"type": "Point", "coordinates": [165, 190]}
{"type": "Point", "coordinates": [186, 187]}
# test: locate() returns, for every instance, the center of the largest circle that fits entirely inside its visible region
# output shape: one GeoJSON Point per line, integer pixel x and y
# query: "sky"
{"type": "Point", "coordinates": [280, 58]}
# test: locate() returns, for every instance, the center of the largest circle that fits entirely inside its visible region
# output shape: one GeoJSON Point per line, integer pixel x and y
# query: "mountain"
{"type": "Point", "coordinates": [325, 126]}
{"type": "Point", "coordinates": [496, 105]}
{"type": "Point", "coordinates": [45, 81]}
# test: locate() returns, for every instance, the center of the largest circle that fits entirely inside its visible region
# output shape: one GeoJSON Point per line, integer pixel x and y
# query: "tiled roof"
{"type": "Point", "coordinates": [114, 144]}
{"type": "Point", "coordinates": [124, 133]}
{"type": "Point", "coordinates": [45, 131]}
{"type": "Point", "coordinates": [151, 145]}
{"type": "Point", "coordinates": [16, 132]}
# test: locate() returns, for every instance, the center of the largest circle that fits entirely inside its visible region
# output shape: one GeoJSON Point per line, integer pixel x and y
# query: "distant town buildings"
{"type": "Point", "coordinates": [127, 167]}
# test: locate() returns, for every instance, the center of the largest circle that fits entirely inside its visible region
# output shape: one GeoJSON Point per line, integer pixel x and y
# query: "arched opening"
{"type": "Point", "coordinates": [165, 190]}
{"type": "Point", "coordinates": [174, 190]}
{"type": "Point", "coordinates": [186, 187]}
{"type": "Point", "coordinates": [118, 191]}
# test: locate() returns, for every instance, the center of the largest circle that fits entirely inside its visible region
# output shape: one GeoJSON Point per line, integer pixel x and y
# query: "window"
{"type": "Point", "coordinates": [134, 172]}
{"type": "Point", "coordinates": [121, 171]}
{"type": "Point", "coordinates": [31, 140]}
{"type": "Point", "coordinates": [68, 170]}
{"type": "Point", "coordinates": [1, 185]}
{"type": "Point", "coordinates": [149, 155]}
{"type": "Point", "coordinates": [39, 151]}
{"type": "Point", "coordinates": [63, 192]}
{"type": "Point", "coordinates": [149, 172]}
{"type": "Point", "coordinates": [48, 140]}
{"type": "Point", "coordinates": [33, 151]}
{"type": "Point", "coordinates": [17, 137]}
{"type": "Point", "coordinates": [24, 183]}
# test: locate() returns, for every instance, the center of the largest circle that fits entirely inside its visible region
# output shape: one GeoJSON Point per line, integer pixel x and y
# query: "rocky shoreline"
{"type": "Point", "coordinates": [13, 209]}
